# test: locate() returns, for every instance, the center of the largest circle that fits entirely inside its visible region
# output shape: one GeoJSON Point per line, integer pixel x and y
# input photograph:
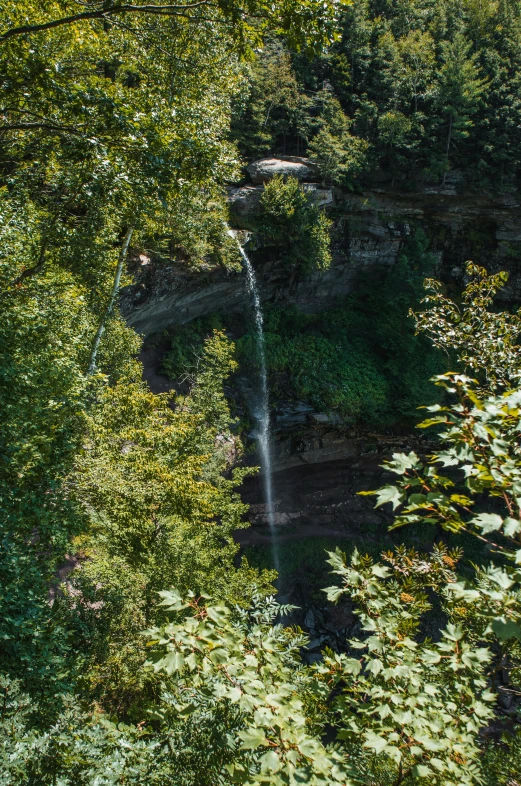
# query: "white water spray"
{"type": "Point", "coordinates": [262, 414]}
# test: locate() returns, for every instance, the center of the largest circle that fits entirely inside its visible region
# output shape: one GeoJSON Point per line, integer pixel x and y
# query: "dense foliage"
{"type": "Point", "coordinates": [411, 90]}
{"type": "Point", "coordinates": [289, 218]}
{"type": "Point", "coordinates": [113, 128]}
{"type": "Point", "coordinates": [89, 151]}
{"type": "Point", "coordinates": [361, 361]}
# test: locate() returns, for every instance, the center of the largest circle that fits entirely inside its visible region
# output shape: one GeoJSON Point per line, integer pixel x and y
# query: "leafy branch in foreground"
{"type": "Point", "coordinates": [305, 23]}
{"type": "Point", "coordinates": [415, 703]}
{"type": "Point", "coordinates": [239, 707]}
{"type": "Point", "coordinates": [481, 418]}
{"type": "Point", "coordinates": [486, 342]}
{"type": "Point", "coordinates": [406, 708]}
{"type": "Point", "coordinates": [472, 482]}
{"type": "Point", "coordinates": [245, 660]}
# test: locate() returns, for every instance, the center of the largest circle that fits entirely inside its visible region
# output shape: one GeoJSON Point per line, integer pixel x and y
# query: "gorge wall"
{"type": "Point", "coordinates": [369, 230]}
{"type": "Point", "coordinates": [318, 465]}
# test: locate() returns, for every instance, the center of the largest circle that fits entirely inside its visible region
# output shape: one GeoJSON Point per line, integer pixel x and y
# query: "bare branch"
{"type": "Point", "coordinates": [44, 125]}
{"type": "Point", "coordinates": [104, 13]}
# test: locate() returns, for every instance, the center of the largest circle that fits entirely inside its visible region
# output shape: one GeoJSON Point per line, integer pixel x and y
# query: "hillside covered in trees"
{"type": "Point", "coordinates": [407, 92]}
{"type": "Point", "coordinates": [139, 642]}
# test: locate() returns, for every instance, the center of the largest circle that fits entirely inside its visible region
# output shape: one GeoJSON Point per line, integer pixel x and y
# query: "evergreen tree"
{"type": "Point", "coordinates": [460, 87]}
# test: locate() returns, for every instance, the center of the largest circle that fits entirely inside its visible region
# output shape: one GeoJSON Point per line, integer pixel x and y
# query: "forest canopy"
{"type": "Point", "coordinates": [409, 91]}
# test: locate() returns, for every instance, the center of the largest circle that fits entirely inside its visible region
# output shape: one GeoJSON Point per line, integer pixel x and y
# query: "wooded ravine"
{"type": "Point", "coordinates": [260, 362]}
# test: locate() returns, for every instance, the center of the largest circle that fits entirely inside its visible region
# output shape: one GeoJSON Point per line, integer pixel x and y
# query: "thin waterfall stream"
{"type": "Point", "coordinates": [262, 412]}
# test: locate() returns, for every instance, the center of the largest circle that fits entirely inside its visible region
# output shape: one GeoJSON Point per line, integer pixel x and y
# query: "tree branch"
{"type": "Point", "coordinates": [32, 271]}
{"type": "Point", "coordinates": [35, 125]}
{"type": "Point", "coordinates": [115, 289]}
{"type": "Point", "coordinates": [104, 13]}
{"type": "Point", "coordinates": [28, 272]}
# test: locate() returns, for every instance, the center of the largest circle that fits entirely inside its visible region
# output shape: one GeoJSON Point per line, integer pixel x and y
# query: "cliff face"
{"type": "Point", "coordinates": [318, 466]}
{"type": "Point", "coordinates": [369, 231]}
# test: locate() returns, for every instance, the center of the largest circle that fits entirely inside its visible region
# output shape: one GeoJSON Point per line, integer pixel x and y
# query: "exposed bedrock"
{"type": "Point", "coordinates": [288, 166]}
{"type": "Point", "coordinates": [318, 471]}
{"type": "Point", "coordinates": [369, 230]}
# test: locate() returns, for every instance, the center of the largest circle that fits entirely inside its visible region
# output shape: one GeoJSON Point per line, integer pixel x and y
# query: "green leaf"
{"type": "Point", "coordinates": [219, 656]}
{"type": "Point", "coordinates": [460, 499]}
{"type": "Point", "coordinates": [374, 741]}
{"type": "Point", "coordinates": [488, 522]}
{"type": "Point", "coordinates": [187, 709]}
{"type": "Point", "coordinates": [511, 527]}
{"type": "Point", "coordinates": [234, 694]}
{"type": "Point", "coordinates": [217, 613]}
{"type": "Point", "coordinates": [252, 738]}
{"type": "Point", "coordinates": [506, 629]}
{"type": "Point", "coordinates": [453, 632]}
{"type": "Point", "coordinates": [270, 762]}
{"type": "Point", "coordinates": [173, 600]}
{"type": "Point", "coordinates": [351, 666]}
{"type": "Point", "coordinates": [374, 666]}
{"type": "Point", "coordinates": [173, 661]}
{"type": "Point", "coordinates": [401, 463]}
{"type": "Point", "coordinates": [422, 771]}
{"type": "Point", "coordinates": [432, 422]}
{"type": "Point", "coordinates": [337, 559]}
{"type": "Point", "coordinates": [390, 494]}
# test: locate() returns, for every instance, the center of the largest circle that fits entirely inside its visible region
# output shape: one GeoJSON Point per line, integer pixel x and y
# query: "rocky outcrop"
{"type": "Point", "coordinates": [369, 231]}
{"type": "Point", "coordinates": [318, 470]}
{"type": "Point", "coordinates": [244, 200]}
{"type": "Point", "coordinates": [486, 228]}
{"type": "Point", "coordinates": [287, 166]}
{"type": "Point", "coordinates": [167, 295]}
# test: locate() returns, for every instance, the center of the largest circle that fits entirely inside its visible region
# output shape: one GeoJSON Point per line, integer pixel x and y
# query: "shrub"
{"type": "Point", "coordinates": [291, 220]}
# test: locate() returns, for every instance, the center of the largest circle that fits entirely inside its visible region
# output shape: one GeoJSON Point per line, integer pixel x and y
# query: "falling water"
{"type": "Point", "coordinates": [262, 414]}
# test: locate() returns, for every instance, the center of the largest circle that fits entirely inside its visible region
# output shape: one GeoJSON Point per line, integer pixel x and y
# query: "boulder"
{"type": "Point", "coordinates": [309, 619]}
{"type": "Point", "coordinates": [320, 418]}
{"type": "Point", "coordinates": [289, 166]}
{"type": "Point", "coordinates": [315, 644]}
{"type": "Point", "coordinates": [244, 200]}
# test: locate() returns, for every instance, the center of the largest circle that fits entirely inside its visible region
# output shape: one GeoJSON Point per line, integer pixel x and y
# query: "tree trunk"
{"type": "Point", "coordinates": [449, 135]}
{"type": "Point", "coordinates": [110, 306]}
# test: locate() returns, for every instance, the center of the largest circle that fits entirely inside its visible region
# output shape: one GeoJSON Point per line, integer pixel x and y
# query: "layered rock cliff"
{"type": "Point", "coordinates": [318, 465]}
{"type": "Point", "coordinates": [369, 230]}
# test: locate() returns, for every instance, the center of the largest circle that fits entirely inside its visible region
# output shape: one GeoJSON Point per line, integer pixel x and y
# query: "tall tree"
{"type": "Point", "coordinates": [460, 88]}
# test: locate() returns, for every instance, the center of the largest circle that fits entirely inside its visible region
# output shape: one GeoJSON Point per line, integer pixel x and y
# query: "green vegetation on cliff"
{"type": "Point", "coordinates": [289, 218]}
{"type": "Point", "coordinates": [361, 361]}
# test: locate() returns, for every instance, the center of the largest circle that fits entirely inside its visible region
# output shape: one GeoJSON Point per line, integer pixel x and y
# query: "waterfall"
{"type": "Point", "coordinates": [262, 413]}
